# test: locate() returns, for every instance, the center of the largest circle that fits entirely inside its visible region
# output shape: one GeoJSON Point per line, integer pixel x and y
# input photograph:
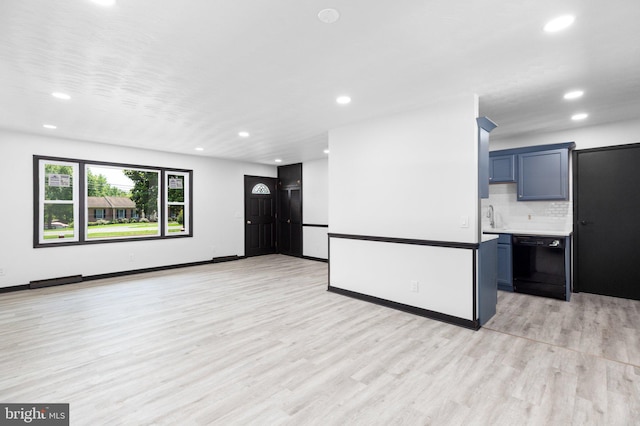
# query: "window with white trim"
{"type": "Point", "coordinates": [119, 202]}
{"type": "Point", "coordinates": [177, 196]}
{"type": "Point", "coordinates": [58, 194]}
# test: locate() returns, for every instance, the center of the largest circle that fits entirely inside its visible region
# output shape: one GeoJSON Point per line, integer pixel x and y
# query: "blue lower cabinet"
{"type": "Point", "coordinates": [505, 265]}
{"type": "Point", "coordinates": [487, 291]}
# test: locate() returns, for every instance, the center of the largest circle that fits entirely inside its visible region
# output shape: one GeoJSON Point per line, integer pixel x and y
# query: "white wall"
{"type": "Point", "coordinates": [415, 176]}
{"type": "Point", "coordinates": [412, 175]}
{"type": "Point", "coordinates": [315, 209]}
{"type": "Point", "coordinates": [218, 203]}
{"type": "Point", "coordinates": [619, 133]}
{"type": "Point", "coordinates": [444, 276]}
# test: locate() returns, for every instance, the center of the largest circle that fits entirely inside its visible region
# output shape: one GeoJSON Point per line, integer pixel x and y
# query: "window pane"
{"type": "Point", "coordinates": [176, 218]}
{"type": "Point", "coordinates": [121, 202]}
{"type": "Point", "coordinates": [176, 189]}
{"type": "Point", "coordinates": [178, 203]}
{"type": "Point", "coordinates": [144, 192]}
{"type": "Point", "coordinates": [58, 222]}
{"type": "Point", "coordinates": [58, 182]}
{"type": "Point", "coordinates": [135, 228]}
{"type": "Point", "coordinates": [57, 201]}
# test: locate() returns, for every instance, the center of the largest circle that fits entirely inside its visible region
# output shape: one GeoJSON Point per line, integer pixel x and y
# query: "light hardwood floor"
{"type": "Point", "coordinates": [260, 341]}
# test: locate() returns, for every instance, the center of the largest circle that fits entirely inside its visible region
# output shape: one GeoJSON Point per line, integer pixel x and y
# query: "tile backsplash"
{"type": "Point", "coordinates": [510, 213]}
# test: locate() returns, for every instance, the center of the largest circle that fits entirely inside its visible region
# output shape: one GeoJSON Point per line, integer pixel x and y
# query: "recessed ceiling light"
{"type": "Point", "coordinates": [326, 151]}
{"type": "Point", "coordinates": [343, 100]}
{"type": "Point", "coordinates": [559, 23]}
{"type": "Point", "coordinates": [243, 134]}
{"type": "Point", "coordinates": [49, 126]}
{"type": "Point", "coordinates": [277, 160]}
{"type": "Point", "coordinates": [199, 148]}
{"type": "Point", "coordinates": [105, 3]}
{"type": "Point", "coordinates": [328, 16]}
{"type": "Point", "coordinates": [61, 95]}
{"type": "Point", "coordinates": [580, 116]}
{"type": "Point", "coordinates": [574, 94]}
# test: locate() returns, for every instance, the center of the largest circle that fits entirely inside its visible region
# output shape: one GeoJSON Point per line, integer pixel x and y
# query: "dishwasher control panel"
{"type": "Point", "coordinates": [536, 241]}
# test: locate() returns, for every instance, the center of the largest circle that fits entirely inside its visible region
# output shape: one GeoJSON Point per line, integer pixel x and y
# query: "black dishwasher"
{"type": "Point", "coordinates": [539, 266]}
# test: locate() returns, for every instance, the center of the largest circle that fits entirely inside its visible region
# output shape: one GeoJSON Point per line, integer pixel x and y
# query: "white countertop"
{"type": "Point", "coordinates": [529, 231]}
{"type": "Point", "coordinates": [488, 237]}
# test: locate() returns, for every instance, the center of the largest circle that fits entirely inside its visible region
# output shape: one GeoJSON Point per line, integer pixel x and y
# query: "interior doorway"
{"type": "Point", "coordinates": [290, 210]}
{"type": "Point", "coordinates": [259, 215]}
{"type": "Point", "coordinates": [606, 225]}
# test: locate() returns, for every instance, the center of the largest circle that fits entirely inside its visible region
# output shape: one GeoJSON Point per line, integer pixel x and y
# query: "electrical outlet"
{"type": "Point", "coordinates": [1, 272]}
{"type": "Point", "coordinates": [415, 287]}
{"type": "Point", "coordinates": [130, 257]}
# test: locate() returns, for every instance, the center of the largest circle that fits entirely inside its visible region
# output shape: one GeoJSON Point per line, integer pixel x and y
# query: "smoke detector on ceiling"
{"type": "Point", "coordinates": [328, 16]}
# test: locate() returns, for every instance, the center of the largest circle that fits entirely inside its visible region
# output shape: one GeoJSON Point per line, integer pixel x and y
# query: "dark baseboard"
{"type": "Point", "coordinates": [14, 288]}
{"type": "Point", "coordinates": [227, 258]}
{"type": "Point", "coordinates": [473, 325]}
{"type": "Point", "coordinates": [73, 279]}
{"type": "Point", "coordinates": [143, 270]}
{"type": "Point", "coordinates": [317, 259]}
{"type": "Point", "coordinates": [79, 278]}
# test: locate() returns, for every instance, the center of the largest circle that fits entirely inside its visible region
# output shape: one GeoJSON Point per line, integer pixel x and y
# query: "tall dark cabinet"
{"type": "Point", "coordinates": [290, 210]}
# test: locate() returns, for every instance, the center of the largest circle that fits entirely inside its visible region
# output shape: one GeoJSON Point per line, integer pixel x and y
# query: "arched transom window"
{"type": "Point", "coordinates": [260, 188]}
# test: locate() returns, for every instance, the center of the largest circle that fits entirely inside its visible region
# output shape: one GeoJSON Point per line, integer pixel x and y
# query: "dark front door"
{"type": "Point", "coordinates": [259, 215]}
{"type": "Point", "coordinates": [607, 229]}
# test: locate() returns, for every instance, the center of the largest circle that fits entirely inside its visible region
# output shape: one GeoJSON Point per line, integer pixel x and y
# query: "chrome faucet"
{"type": "Point", "coordinates": [490, 215]}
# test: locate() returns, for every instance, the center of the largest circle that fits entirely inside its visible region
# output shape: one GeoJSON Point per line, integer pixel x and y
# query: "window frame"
{"type": "Point", "coordinates": [186, 203]}
{"type": "Point", "coordinates": [158, 207]}
{"type": "Point", "coordinates": [40, 201]}
{"type": "Point", "coordinates": [79, 202]}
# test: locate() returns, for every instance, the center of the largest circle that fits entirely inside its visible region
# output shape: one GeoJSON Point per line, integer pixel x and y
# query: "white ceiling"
{"type": "Point", "coordinates": [176, 75]}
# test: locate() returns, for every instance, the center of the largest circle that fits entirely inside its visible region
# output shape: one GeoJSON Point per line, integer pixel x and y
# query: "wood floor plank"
{"type": "Point", "coordinates": [260, 341]}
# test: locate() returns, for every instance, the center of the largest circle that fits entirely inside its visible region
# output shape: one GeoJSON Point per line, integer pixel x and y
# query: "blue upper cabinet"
{"type": "Point", "coordinates": [543, 175]}
{"type": "Point", "coordinates": [502, 168]}
{"type": "Point", "coordinates": [541, 172]}
{"type": "Point", "coordinates": [485, 126]}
